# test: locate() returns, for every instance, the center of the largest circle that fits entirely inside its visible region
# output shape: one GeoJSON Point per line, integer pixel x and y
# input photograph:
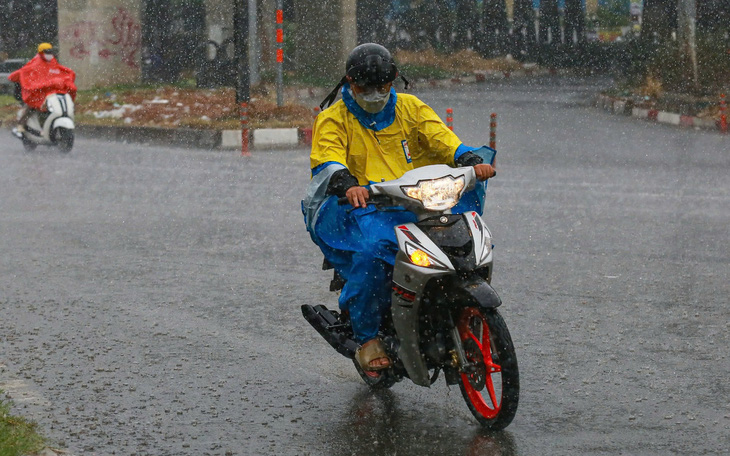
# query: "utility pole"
{"type": "Point", "coordinates": [243, 94]}
{"type": "Point", "coordinates": [253, 39]}
{"type": "Point", "coordinates": [687, 15]}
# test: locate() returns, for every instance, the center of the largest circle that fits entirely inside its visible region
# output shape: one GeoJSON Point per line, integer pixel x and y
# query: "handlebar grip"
{"type": "Point", "coordinates": [342, 201]}
{"type": "Point", "coordinates": [494, 175]}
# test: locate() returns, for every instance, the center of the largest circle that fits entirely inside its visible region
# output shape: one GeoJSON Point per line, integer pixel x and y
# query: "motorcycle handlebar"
{"type": "Point", "coordinates": [343, 200]}
{"type": "Point", "coordinates": [377, 200]}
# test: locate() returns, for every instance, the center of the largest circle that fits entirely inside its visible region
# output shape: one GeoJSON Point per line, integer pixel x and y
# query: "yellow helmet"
{"type": "Point", "coordinates": [44, 47]}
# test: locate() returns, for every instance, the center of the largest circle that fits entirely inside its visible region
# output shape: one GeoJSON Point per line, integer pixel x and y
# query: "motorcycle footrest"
{"type": "Point", "coordinates": [327, 325]}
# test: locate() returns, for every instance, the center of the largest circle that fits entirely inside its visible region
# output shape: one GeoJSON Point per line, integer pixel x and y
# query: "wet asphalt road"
{"type": "Point", "coordinates": [149, 296]}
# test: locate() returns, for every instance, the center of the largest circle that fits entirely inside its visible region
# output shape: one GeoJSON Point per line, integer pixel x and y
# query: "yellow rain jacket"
{"type": "Point", "coordinates": [417, 137]}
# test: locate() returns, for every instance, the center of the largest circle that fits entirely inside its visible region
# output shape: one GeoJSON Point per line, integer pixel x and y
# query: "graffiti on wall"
{"type": "Point", "coordinates": [119, 38]}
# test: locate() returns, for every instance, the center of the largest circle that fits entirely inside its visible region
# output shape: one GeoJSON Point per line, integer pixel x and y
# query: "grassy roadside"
{"type": "Point", "coordinates": [18, 436]}
{"type": "Point", "coordinates": [183, 105]}
{"type": "Point", "coordinates": [176, 106]}
{"type": "Point", "coordinates": [179, 106]}
{"type": "Point", "coordinates": [8, 108]}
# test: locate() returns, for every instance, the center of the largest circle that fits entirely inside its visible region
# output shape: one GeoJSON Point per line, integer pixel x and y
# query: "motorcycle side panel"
{"type": "Point", "coordinates": [63, 122]}
{"type": "Point", "coordinates": [32, 126]}
{"type": "Point", "coordinates": [405, 316]}
{"type": "Point", "coordinates": [482, 238]}
{"type": "Point", "coordinates": [70, 107]}
{"type": "Point", "coordinates": [54, 107]}
{"type": "Point", "coordinates": [413, 279]}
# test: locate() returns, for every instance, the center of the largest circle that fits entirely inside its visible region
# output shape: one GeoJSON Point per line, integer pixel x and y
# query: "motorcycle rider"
{"type": "Point", "coordinates": [38, 78]}
{"type": "Point", "coordinates": [372, 134]}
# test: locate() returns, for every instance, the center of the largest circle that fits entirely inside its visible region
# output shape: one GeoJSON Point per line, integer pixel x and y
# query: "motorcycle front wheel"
{"type": "Point", "coordinates": [64, 139]}
{"type": "Point", "coordinates": [29, 145]}
{"type": "Point", "coordinates": [492, 388]}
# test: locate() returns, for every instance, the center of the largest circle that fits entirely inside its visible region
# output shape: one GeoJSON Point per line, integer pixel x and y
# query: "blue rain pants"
{"type": "Point", "coordinates": [361, 245]}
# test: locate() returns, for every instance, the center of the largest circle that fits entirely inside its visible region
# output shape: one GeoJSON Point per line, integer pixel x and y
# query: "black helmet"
{"type": "Point", "coordinates": [367, 64]}
{"type": "Point", "coordinates": [371, 64]}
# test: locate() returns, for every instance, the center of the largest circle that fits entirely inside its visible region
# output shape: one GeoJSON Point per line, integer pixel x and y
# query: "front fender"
{"type": "Point", "coordinates": [474, 288]}
{"type": "Point", "coordinates": [63, 122]}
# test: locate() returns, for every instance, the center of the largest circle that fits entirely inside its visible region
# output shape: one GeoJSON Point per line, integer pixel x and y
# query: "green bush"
{"type": "Point", "coordinates": [599, 57]}
{"type": "Point", "coordinates": [669, 64]}
{"type": "Point", "coordinates": [18, 436]}
{"type": "Point", "coordinates": [6, 100]}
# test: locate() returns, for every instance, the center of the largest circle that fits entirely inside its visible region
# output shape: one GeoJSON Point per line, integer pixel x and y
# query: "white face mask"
{"type": "Point", "coordinates": [48, 57]}
{"type": "Point", "coordinates": [371, 99]}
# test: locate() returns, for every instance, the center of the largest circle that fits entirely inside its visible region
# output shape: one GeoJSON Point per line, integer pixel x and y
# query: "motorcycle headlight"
{"type": "Point", "coordinates": [437, 194]}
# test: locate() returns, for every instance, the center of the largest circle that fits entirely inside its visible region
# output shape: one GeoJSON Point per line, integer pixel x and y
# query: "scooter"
{"type": "Point", "coordinates": [443, 314]}
{"type": "Point", "coordinates": [52, 126]}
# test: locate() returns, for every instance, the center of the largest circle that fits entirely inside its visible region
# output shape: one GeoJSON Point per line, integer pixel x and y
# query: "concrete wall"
{"type": "Point", "coordinates": [100, 40]}
{"type": "Point", "coordinates": [327, 32]}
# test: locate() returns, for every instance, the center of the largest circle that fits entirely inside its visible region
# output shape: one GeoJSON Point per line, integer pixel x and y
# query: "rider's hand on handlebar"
{"type": "Point", "coordinates": [484, 171]}
{"type": "Point", "coordinates": [357, 196]}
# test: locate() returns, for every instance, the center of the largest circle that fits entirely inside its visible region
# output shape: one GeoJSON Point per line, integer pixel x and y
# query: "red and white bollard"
{"type": "Point", "coordinates": [280, 54]}
{"type": "Point", "coordinates": [450, 119]}
{"type": "Point", "coordinates": [723, 114]}
{"type": "Point", "coordinates": [244, 130]}
{"type": "Point", "coordinates": [493, 131]}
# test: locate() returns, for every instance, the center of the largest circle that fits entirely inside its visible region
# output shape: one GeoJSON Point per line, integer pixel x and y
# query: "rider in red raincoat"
{"type": "Point", "coordinates": [40, 77]}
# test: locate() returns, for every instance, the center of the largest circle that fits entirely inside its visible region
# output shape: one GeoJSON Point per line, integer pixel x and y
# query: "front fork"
{"type": "Point", "coordinates": [459, 360]}
{"type": "Point", "coordinates": [458, 356]}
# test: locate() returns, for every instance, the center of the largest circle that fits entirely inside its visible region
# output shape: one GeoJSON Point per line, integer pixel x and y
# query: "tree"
{"type": "Point", "coordinates": [549, 22]}
{"type": "Point", "coordinates": [524, 26]}
{"type": "Point", "coordinates": [157, 47]}
{"type": "Point", "coordinates": [686, 15]}
{"type": "Point", "coordinates": [659, 20]}
{"type": "Point", "coordinates": [574, 22]}
{"type": "Point", "coordinates": [614, 13]}
{"type": "Point", "coordinates": [495, 29]}
{"type": "Point", "coordinates": [370, 21]}
{"type": "Point", "coordinates": [25, 23]}
{"type": "Point", "coordinates": [466, 23]}
{"type": "Point", "coordinates": [4, 26]}
{"type": "Point", "coordinates": [713, 15]}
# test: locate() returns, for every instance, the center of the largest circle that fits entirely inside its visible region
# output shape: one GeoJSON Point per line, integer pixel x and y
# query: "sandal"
{"type": "Point", "coordinates": [370, 351]}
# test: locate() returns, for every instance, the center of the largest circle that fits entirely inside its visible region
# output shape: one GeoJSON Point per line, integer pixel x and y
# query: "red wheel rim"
{"type": "Point", "coordinates": [472, 321]}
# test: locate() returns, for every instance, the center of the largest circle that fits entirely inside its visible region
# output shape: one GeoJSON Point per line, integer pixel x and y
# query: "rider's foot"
{"type": "Point", "coordinates": [372, 356]}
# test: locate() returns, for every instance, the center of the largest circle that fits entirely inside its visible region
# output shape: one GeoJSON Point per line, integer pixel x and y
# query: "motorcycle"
{"type": "Point", "coordinates": [52, 126]}
{"type": "Point", "coordinates": [443, 314]}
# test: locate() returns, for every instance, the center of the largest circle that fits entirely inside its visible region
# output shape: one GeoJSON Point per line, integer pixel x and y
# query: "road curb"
{"type": "Point", "coordinates": [273, 138]}
{"type": "Point", "coordinates": [626, 107]}
{"type": "Point", "coordinates": [262, 138]}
